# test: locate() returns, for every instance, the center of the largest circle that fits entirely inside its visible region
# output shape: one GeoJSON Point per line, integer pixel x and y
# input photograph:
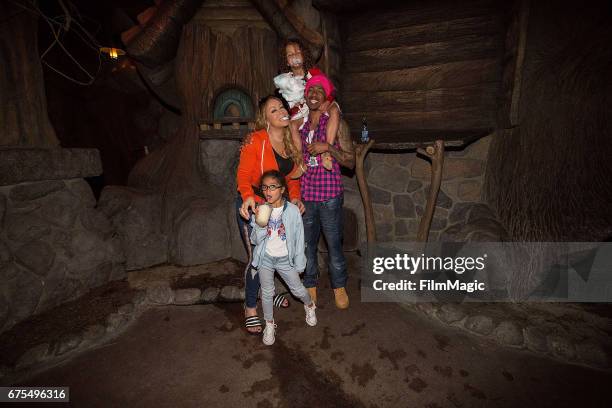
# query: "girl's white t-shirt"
{"type": "Point", "coordinates": [277, 238]}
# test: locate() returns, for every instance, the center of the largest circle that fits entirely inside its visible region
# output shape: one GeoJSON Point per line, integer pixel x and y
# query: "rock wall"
{"type": "Point", "coordinates": [399, 184]}
{"type": "Point", "coordinates": [54, 243]}
{"type": "Point", "coordinates": [206, 229]}
{"type": "Point", "coordinates": [220, 159]}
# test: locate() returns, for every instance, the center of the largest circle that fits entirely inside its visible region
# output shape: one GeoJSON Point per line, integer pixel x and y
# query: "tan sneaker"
{"type": "Point", "coordinates": [313, 294]}
{"type": "Point", "coordinates": [327, 161]}
{"type": "Point", "coordinates": [342, 300]}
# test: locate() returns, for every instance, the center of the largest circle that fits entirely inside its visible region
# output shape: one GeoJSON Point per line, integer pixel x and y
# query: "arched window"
{"type": "Point", "coordinates": [233, 105]}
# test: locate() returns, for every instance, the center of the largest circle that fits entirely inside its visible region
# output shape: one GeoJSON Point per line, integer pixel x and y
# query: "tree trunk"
{"type": "Point", "coordinates": [23, 103]}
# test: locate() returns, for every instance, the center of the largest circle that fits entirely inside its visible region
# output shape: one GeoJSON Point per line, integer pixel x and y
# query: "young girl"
{"type": "Point", "coordinates": [279, 247]}
{"type": "Point", "coordinates": [291, 86]}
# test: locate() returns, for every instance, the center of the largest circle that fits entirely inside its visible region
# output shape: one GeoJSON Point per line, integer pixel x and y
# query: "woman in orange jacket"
{"type": "Point", "coordinates": [270, 147]}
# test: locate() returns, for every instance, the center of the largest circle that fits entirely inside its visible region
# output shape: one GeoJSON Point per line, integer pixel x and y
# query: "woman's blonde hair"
{"type": "Point", "coordinates": [262, 123]}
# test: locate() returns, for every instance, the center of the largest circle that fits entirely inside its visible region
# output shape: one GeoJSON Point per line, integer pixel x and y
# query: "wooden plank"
{"type": "Point", "coordinates": [416, 13]}
{"type": "Point", "coordinates": [344, 5]}
{"type": "Point", "coordinates": [223, 62]}
{"type": "Point", "coordinates": [248, 13]}
{"type": "Point", "coordinates": [482, 95]}
{"type": "Point", "coordinates": [410, 139]}
{"type": "Point", "coordinates": [446, 75]}
{"type": "Point", "coordinates": [514, 55]}
{"type": "Point", "coordinates": [460, 49]}
{"type": "Point", "coordinates": [451, 119]}
{"type": "Point", "coordinates": [225, 3]}
{"type": "Point", "coordinates": [230, 26]}
{"type": "Point", "coordinates": [424, 33]}
{"type": "Point", "coordinates": [302, 28]}
{"type": "Point", "coordinates": [223, 134]}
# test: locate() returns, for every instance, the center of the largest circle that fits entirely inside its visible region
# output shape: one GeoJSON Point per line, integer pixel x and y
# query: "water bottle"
{"type": "Point", "coordinates": [364, 131]}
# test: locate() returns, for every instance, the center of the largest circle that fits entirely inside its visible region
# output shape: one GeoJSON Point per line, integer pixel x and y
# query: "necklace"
{"type": "Point", "coordinates": [279, 148]}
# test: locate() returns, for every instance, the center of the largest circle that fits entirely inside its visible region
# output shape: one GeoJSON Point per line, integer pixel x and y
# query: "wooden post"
{"type": "Point", "coordinates": [325, 48]}
{"type": "Point", "coordinates": [512, 71]}
{"type": "Point", "coordinates": [436, 154]}
{"type": "Point", "coordinates": [360, 153]}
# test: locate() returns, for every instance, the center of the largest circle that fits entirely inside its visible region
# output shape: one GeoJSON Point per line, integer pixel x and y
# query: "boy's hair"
{"type": "Point", "coordinates": [279, 177]}
{"type": "Point", "coordinates": [282, 62]}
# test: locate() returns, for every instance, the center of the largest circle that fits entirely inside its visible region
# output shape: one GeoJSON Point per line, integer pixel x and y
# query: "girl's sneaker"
{"type": "Point", "coordinates": [311, 316]}
{"type": "Point", "coordinates": [300, 113]}
{"type": "Point", "coordinates": [268, 333]}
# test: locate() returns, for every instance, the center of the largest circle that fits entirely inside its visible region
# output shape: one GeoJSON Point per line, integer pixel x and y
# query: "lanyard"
{"type": "Point", "coordinates": [310, 136]}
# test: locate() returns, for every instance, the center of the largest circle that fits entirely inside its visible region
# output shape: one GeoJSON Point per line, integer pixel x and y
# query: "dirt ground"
{"type": "Point", "coordinates": [371, 355]}
{"type": "Point", "coordinates": [68, 318]}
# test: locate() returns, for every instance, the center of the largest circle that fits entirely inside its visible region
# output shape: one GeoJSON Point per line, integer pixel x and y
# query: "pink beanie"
{"type": "Point", "coordinates": [321, 80]}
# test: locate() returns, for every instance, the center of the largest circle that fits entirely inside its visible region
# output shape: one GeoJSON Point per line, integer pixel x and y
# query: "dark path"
{"type": "Point", "coordinates": [370, 355]}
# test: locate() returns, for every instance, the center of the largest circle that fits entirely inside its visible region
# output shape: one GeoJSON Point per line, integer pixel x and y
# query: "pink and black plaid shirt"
{"type": "Point", "coordinates": [317, 183]}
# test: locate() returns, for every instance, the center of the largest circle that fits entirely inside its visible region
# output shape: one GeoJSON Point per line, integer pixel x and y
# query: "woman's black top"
{"type": "Point", "coordinates": [285, 165]}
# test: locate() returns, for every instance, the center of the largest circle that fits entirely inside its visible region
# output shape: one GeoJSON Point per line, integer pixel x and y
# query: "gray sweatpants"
{"type": "Point", "coordinates": [267, 265]}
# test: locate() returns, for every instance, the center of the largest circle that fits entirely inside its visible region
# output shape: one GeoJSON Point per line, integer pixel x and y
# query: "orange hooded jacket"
{"type": "Point", "coordinates": [257, 157]}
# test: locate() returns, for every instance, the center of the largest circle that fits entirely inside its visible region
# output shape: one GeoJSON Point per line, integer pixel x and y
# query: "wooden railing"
{"type": "Point", "coordinates": [226, 128]}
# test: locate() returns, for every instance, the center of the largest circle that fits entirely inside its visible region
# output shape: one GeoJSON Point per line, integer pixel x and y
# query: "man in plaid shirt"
{"type": "Point", "coordinates": [322, 193]}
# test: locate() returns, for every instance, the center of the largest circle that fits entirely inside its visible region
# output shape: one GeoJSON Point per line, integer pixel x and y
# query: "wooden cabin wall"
{"type": "Point", "coordinates": [331, 57]}
{"type": "Point", "coordinates": [227, 44]}
{"type": "Point", "coordinates": [423, 65]}
{"type": "Point", "coordinates": [550, 177]}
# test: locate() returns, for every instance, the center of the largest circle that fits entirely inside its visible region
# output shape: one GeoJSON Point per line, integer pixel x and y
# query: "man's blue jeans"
{"type": "Point", "coordinates": [324, 216]}
{"type": "Point", "coordinates": [251, 284]}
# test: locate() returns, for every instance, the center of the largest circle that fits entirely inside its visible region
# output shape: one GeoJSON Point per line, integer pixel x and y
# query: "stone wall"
{"type": "Point", "coordinates": [207, 230]}
{"type": "Point", "coordinates": [54, 243]}
{"type": "Point", "coordinates": [220, 159]}
{"type": "Point", "coordinates": [399, 184]}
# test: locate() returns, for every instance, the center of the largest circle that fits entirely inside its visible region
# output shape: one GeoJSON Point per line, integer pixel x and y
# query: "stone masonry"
{"type": "Point", "coordinates": [399, 184]}
{"type": "Point", "coordinates": [54, 243]}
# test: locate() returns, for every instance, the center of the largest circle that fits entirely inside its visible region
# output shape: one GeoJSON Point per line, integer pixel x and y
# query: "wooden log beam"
{"type": "Point", "coordinates": [278, 20]}
{"type": "Point", "coordinates": [436, 154]}
{"type": "Point", "coordinates": [345, 6]}
{"type": "Point", "coordinates": [412, 139]}
{"type": "Point", "coordinates": [313, 37]}
{"type": "Point", "coordinates": [157, 42]}
{"type": "Point", "coordinates": [482, 95]}
{"type": "Point", "coordinates": [415, 13]}
{"type": "Point", "coordinates": [245, 13]}
{"type": "Point", "coordinates": [447, 75]}
{"type": "Point", "coordinates": [361, 150]}
{"type": "Point", "coordinates": [217, 133]}
{"type": "Point", "coordinates": [424, 33]}
{"type": "Point", "coordinates": [461, 49]}
{"type": "Point", "coordinates": [452, 119]}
